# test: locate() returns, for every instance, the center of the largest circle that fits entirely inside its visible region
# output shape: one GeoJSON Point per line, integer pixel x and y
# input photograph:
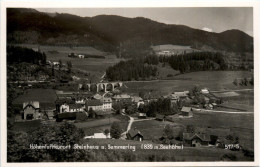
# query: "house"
{"type": "Point", "coordinates": [76, 108]}
{"type": "Point", "coordinates": [196, 139]}
{"type": "Point", "coordinates": [174, 98]}
{"type": "Point", "coordinates": [80, 100]}
{"type": "Point", "coordinates": [55, 63]}
{"type": "Point", "coordinates": [181, 95]}
{"type": "Point", "coordinates": [186, 111]}
{"type": "Point", "coordinates": [64, 108]}
{"type": "Point", "coordinates": [97, 96]}
{"type": "Point", "coordinates": [31, 110]}
{"type": "Point", "coordinates": [107, 103]}
{"type": "Point", "coordinates": [122, 97]}
{"type": "Point", "coordinates": [81, 56]}
{"type": "Point", "coordinates": [134, 134]}
{"type": "Point", "coordinates": [141, 115]}
{"type": "Point", "coordinates": [72, 55]}
{"type": "Point", "coordinates": [138, 100]}
{"type": "Point", "coordinates": [160, 117]}
{"type": "Point", "coordinates": [214, 105]}
{"type": "Point", "coordinates": [204, 91]}
{"type": "Point", "coordinates": [95, 105]}
{"type": "Point", "coordinates": [208, 106]}
{"type": "Point", "coordinates": [98, 136]}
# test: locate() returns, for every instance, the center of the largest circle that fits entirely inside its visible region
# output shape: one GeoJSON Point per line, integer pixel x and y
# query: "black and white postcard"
{"type": "Point", "coordinates": [149, 84]}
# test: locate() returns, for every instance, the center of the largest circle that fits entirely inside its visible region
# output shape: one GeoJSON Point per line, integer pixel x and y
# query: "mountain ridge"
{"type": "Point", "coordinates": [109, 32]}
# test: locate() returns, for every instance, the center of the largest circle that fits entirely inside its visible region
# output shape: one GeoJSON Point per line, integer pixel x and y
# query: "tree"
{"type": "Point", "coordinates": [60, 64]}
{"type": "Point", "coordinates": [131, 109]}
{"type": "Point", "coordinates": [106, 132]}
{"type": "Point", "coordinates": [194, 91]}
{"type": "Point", "coordinates": [69, 66]}
{"type": "Point", "coordinates": [168, 132]}
{"type": "Point", "coordinates": [62, 135]}
{"type": "Point", "coordinates": [115, 130]}
{"type": "Point", "coordinates": [91, 113]}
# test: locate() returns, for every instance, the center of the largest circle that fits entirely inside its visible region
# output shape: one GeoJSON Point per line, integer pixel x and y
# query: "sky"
{"type": "Point", "coordinates": [213, 19]}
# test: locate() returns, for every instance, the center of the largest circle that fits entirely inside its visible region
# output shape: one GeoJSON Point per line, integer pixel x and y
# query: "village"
{"type": "Point", "coordinates": [94, 103]}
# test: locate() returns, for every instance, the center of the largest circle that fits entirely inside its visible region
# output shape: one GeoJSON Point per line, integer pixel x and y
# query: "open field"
{"type": "Point", "coordinates": [153, 129]}
{"type": "Point", "coordinates": [99, 125]}
{"type": "Point", "coordinates": [176, 49]}
{"type": "Point", "coordinates": [185, 154]}
{"type": "Point", "coordinates": [220, 124]}
{"type": "Point", "coordinates": [214, 80]}
{"type": "Point", "coordinates": [96, 66]}
{"type": "Point", "coordinates": [241, 125]}
{"type": "Point", "coordinates": [245, 98]}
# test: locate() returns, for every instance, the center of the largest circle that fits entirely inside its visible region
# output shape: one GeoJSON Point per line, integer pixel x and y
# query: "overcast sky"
{"type": "Point", "coordinates": [209, 19]}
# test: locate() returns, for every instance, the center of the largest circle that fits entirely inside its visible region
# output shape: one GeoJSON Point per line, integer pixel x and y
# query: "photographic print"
{"type": "Point", "coordinates": [139, 84]}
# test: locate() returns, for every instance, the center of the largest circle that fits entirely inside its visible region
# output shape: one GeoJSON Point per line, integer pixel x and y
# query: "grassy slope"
{"type": "Point", "coordinates": [95, 66]}
{"type": "Point", "coordinates": [214, 80]}
{"type": "Point", "coordinates": [219, 124]}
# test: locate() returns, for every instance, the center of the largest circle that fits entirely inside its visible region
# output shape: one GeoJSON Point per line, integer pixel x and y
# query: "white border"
{"type": "Point", "coordinates": [117, 4]}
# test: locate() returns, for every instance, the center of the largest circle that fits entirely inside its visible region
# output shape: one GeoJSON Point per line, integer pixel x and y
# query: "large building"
{"type": "Point", "coordinates": [31, 110]}
{"type": "Point", "coordinates": [71, 108]}
{"type": "Point", "coordinates": [107, 103]}
{"type": "Point", "coordinates": [95, 105]}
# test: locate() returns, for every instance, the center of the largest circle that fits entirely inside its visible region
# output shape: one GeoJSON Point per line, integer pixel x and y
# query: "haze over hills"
{"type": "Point", "coordinates": [108, 32]}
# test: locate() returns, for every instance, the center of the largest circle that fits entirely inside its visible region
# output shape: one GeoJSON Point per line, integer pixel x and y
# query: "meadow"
{"type": "Point", "coordinates": [100, 125]}
{"type": "Point", "coordinates": [220, 124]}
{"type": "Point", "coordinates": [95, 66]}
{"type": "Point", "coordinates": [214, 80]}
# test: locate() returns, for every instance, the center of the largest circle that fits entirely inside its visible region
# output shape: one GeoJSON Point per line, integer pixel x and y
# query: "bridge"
{"type": "Point", "coordinates": [97, 87]}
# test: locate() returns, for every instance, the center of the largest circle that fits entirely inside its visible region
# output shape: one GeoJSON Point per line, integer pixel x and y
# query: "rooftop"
{"type": "Point", "coordinates": [134, 132]}
{"type": "Point", "coordinates": [94, 103]}
{"type": "Point", "coordinates": [190, 136]}
{"type": "Point", "coordinates": [35, 104]}
{"type": "Point", "coordinates": [186, 109]}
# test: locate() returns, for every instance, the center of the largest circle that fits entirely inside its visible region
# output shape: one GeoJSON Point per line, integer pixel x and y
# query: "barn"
{"type": "Point", "coordinates": [186, 111]}
{"type": "Point", "coordinates": [134, 134]}
{"type": "Point", "coordinates": [196, 139]}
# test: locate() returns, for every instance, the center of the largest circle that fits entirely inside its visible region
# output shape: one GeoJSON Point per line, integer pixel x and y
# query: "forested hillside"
{"type": "Point", "coordinates": [129, 37]}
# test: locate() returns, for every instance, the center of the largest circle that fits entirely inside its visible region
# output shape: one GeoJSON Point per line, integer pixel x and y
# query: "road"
{"type": "Point", "coordinates": [237, 90]}
{"type": "Point", "coordinates": [228, 112]}
{"type": "Point", "coordinates": [130, 123]}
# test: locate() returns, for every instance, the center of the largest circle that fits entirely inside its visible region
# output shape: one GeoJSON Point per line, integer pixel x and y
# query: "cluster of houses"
{"type": "Point", "coordinates": [71, 105]}
{"type": "Point", "coordinates": [75, 102]}
{"type": "Point", "coordinates": [74, 55]}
